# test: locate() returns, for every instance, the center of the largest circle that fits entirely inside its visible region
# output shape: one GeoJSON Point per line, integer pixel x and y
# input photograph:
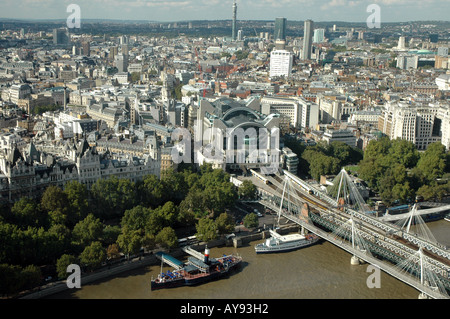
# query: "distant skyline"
{"type": "Point", "coordinates": [185, 10]}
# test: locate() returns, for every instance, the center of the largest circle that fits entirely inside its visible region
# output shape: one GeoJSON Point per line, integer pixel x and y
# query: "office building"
{"type": "Point", "coordinates": [307, 39]}
{"type": "Point", "coordinates": [300, 112]}
{"type": "Point", "coordinates": [121, 62]}
{"type": "Point", "coordinates": [443, 82]}
{"type": "Point", "coordinates": [86, 48]}
{"type": "Point", "coordinates": [310, 114]}
{"type": "Point", "coordinates": [240, 35]}
{"type": "Point", "coordinates": [281, 63]}
{"type": "Point", "coordinates": [401, 43]}
{"type": "Point", "coordinates": [280, 29]}
{"type": "Point", "coordinates": [406, 62]}
{"type": "Point", "coordinates": [417, 123]}
{"type": "Point", "coordinates": [319, 36]}
{"type": "Point", "coordinates": [344, 136]}
{"type": "Point", "coordinates": [113, 52]}
{"type": "Point", "coordinates": [61, 36]}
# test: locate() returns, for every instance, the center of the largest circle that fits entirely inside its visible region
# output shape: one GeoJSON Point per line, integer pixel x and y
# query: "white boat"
{"type": "Point", "coordinates": [278, 243]}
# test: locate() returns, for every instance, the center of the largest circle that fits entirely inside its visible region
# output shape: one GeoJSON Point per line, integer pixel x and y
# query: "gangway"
{"type": "Point", "coordinates": [193, 253]}
{"type": "Point", "coordinates": [170, 260]}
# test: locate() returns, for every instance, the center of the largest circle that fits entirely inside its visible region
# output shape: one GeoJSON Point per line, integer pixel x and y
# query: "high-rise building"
{"type": "Point", "coordinates": [280, 29]}
{"type": "Point", "coordinates": [234, 26]}
{"type": "Point", "coordinates": [406, 62]}
{"type": "Point", "coordinates": [307, 39]}
{"type": "Point", "coordinates": [319, 36]}
{"type": "Point", "coordinates": [113, 52]}
{"type": "Point", "coordinates": [125, 49]}
{"type": "Point", "coordinates": [123, 39]}
{"type": "Point", "coordinates": [121, 63]}
{"type": "Point", "coordinates": [401, 43]}
{"type": "Point", "coordinates": [281, 63]}
{"type": "Point", "coordinates": [86, 48]}
{"type": "Point", "coordinates": [240, 35]}
{"type": "Point", "coordinates": [61, 36]}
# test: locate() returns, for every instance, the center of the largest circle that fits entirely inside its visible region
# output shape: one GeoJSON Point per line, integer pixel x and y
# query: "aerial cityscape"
{"type": "Point", "coordinates": [213, 147]}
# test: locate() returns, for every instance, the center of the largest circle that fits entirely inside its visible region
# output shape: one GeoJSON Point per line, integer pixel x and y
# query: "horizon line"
{"type": "Point", "coordinates": [204, 20]}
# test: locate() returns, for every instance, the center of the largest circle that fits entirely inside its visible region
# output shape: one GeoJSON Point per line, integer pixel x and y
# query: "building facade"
{"type": "Point", "coordinates": [281, 63]}
{"type": "Point", "coordinates": [307, 39]}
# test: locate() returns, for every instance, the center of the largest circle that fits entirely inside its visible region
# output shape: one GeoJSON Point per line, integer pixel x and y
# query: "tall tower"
{"type": "Point", "coordinates": [307, 39]}
{"type": "Point", "coordinates": [234, 28]}
{"type": "Point", "coordinates": [280, 29]}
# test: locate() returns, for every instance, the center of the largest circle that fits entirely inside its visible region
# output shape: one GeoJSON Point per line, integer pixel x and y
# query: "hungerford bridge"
{"type": "Point", "coordinates": [405, 249]}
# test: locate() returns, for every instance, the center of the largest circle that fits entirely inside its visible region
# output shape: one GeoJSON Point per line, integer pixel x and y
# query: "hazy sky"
{"type": "Point", "coordinates": [179, 10]}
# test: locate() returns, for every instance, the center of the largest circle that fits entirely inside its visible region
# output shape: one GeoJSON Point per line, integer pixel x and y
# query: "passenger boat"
{"type": "Point", "coordinates": [278, 243]}
{"type": "Point", "coordinates": [195, 271]}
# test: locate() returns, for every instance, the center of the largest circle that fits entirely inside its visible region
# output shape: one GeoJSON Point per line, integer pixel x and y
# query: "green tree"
{"type": "Point", "coordinates": [206, 229]}
{"type": "Point", "coordinates": [403, 152]}
{"type": "Point", "coordinates": [247, 190]}
{"type": "Point", "coordinates": [30, 277]}
{"type": "Point", "coordinates": [432, 163]}
{"type": "Point", "coordinates": [62, 263]}
{"type": "Point", "coordinates": [9, 277]}
{"type": "Point", "coordinates": [135, 218]}
{"type": "Point", "coordinates": [346, 154]}
{"type": "Point", "coordinates": [26, 213]}
{"type": "Point", "coordinates": [194, 204]}
{"type": "Point", "coordinates": [88, 230]}
{"type": "Point", "coordinates": [320, 164]}
{"type": "Point", "coordinates": [148, 241]}
{"type": "Point", "coordinates": [135, 77]}
{"type": "Point", "coordinates": [113, 196]}
{"type": "Point", "coordinates": [167, 213]}
{"type": "Point", "coordinates": [167, 238]}
{"type": "Point", "coordinates": [130, 241]}
{"type": "Point", "coordinates": [93, 255]}
{"type": "Point", "coordinates": [375, 162]}
{"type": "Point", "coordinates": [217, 190]}
{"type": "Point", "coordinates": [62, 236]}
{"type": "Point", "coordinates": [110, 234]}
{"type": "Point", "coordinates": [174, 185]}
{"type": "Point", "coordinates": [251, 220]}
{"type": "Point", "coordinates": [77, 196]}
{"type": "Point", "coordinates": [54, 201]}
{"type": "Point", "coordinates": [225, 224]}
{"type": "Point", "coordinates": [151, 191]}
{"type": "Point", "coordinates": [435, 192]}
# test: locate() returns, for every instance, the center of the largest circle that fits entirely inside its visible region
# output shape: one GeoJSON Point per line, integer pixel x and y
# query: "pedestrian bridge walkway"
{"type": "Point", "coordinates": [367, 239]}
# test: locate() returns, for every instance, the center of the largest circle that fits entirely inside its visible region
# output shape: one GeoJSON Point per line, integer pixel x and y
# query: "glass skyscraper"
{"type": "Point", "coordinates": [280, 29]}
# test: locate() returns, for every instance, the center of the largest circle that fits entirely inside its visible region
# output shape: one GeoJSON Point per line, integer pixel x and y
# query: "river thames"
{"type": "Point", "coordinates": [322, 271]}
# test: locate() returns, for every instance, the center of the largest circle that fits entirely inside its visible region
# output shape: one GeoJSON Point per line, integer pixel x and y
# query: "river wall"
{"type": "Point", "coordinates": [238, 240]}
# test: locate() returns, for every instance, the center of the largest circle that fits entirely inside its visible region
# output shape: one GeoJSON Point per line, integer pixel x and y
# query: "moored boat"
{"type": "Point", "coordinates": [196, 271]}
{"type": "Point", "coordinates": [278, 243]}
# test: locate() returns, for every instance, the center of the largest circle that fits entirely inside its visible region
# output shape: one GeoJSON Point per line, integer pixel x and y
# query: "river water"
{"type": "Point", "coordinates": [322, 271]}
